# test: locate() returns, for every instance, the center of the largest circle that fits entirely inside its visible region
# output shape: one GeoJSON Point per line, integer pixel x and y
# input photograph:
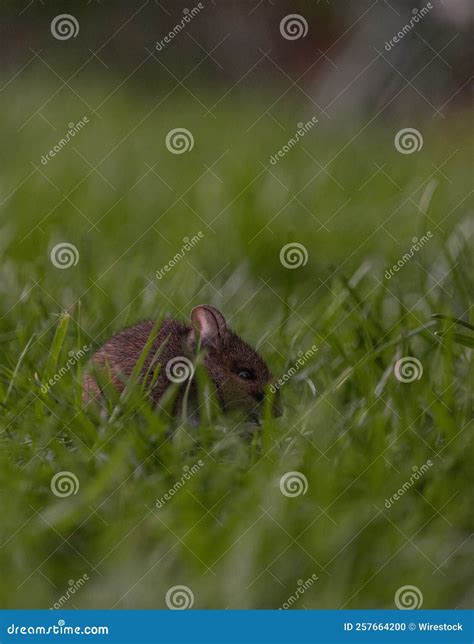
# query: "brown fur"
{"type": "Point", "coordinates": [226, 355]}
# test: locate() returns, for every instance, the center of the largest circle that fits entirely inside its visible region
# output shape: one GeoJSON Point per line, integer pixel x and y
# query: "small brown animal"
{"type": "Point", "coordinates": [237, 371]}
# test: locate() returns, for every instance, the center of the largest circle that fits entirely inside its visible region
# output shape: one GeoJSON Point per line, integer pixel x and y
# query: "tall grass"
{"type": "Point", "coordinates": [354, 431]}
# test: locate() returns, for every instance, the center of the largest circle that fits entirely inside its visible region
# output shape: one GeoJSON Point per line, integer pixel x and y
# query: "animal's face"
{"type": "Point", "coordinates": [240, 375]}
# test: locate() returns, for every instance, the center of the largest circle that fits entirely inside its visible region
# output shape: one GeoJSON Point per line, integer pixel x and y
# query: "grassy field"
{"type": "Point", "coordinates": [355, 432]}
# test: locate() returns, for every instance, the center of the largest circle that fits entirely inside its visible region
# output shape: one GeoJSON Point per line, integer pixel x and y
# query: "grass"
{"type": "Point", "coordinates": [354, 431]}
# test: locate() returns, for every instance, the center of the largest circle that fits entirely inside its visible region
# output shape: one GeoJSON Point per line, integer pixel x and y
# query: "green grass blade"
{"type": "Point", "coordinates": [58, 342]}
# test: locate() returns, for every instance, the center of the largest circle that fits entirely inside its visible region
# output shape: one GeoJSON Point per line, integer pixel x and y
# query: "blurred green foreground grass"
{"type": "Point", "coordinates": [350, 427]}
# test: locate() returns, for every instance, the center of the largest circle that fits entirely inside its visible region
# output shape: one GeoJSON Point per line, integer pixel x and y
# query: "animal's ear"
{"type": "Point", "coordinates": [209, 325]}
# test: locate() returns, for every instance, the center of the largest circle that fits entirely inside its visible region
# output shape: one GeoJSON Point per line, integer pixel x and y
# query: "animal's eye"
{"type": "Point", "coordinates": [245, 374]}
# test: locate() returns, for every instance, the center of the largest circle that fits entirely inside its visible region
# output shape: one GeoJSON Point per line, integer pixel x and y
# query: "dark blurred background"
{"type": "Point", "coordinates": [240, 43]}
